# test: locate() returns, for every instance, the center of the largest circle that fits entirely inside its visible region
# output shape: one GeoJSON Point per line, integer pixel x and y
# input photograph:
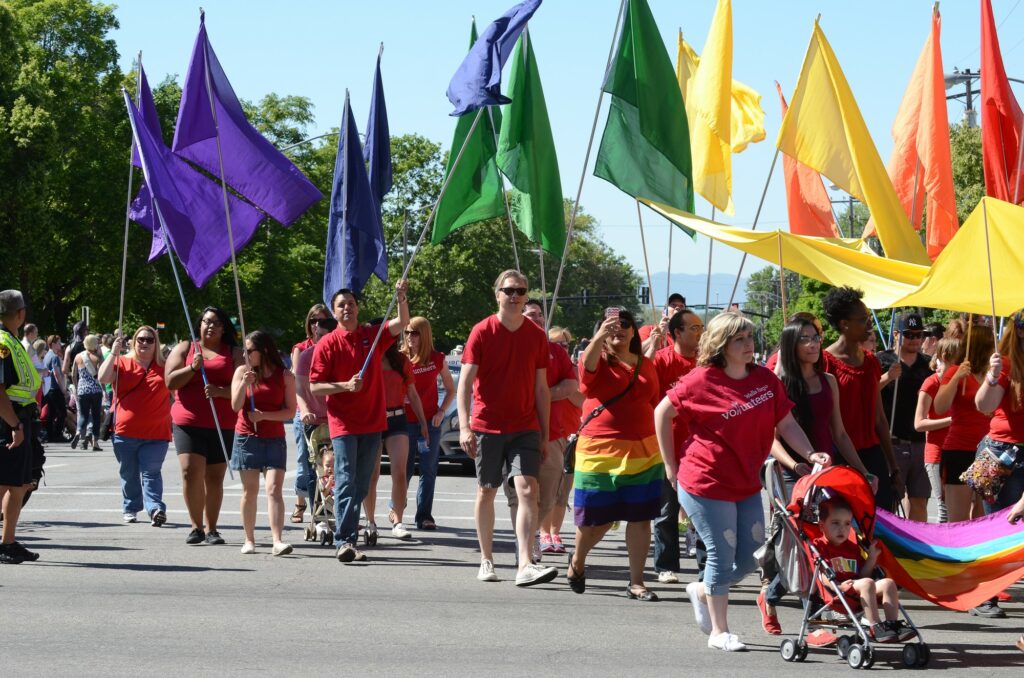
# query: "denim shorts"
{"type": "Point", "coordinates": [397, 426]}
{"type": "Point", "coordinates": [251, 453]}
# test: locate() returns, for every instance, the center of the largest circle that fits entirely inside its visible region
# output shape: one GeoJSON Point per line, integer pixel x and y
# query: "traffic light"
{"type": "Point", "coordinates": [645, 295]}
{"type": "Point", "coordinates": [586, 295]}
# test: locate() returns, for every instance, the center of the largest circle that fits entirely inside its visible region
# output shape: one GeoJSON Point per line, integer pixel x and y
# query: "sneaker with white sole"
{"type": "Point", "coordinates": [700, 609]}
{"type": "Point", "coordinates": [248, 548]}
{"type": "Point", "coordinates": [157, 518]}
{"type": "Point", "coordinates": [729, 642]}
{"type": "Point", "coordinates": [486, 572]}
{"type": "Point", "coordinates": [281, 549]}
{"type": "Point", "coordinates": [398, 531]}
{"type": "Point", "coordinates": [346, 553]}
{"type": "Point", "coordinates": [129, 517]}
{"type": "Point", "coordinates": [534, 574]}
{"type": "Point", "coordinates": [667, 577]}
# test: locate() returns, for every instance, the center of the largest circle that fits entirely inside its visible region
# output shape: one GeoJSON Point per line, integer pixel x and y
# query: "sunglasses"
{"type": "Point", "coordinates": [915, 334]}
{"type": "Point", "coordinates": [326, 323]}
{"type": "Point", "coordinates": [412, 333]}
{"type": "Point", "coordinates": [212, 323]}
{"type": "Point", "coordinates": [812, 339]}
{"type": "Point", "coordinates": [513, 291]}
{"type": "Point", "coordinates": [250, 351]}
{"type": "Point", "coordinates": [145, 340]}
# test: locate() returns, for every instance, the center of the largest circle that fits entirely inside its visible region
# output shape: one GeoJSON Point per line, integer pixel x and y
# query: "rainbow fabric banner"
{"type": "Point", "coordinates": [955, 565]}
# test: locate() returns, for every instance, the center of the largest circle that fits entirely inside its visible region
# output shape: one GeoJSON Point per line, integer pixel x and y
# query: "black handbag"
{"type": "Point", "coordinates": [569, 459]}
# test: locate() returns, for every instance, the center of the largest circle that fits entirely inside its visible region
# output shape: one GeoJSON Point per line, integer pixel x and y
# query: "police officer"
{"type": "Point", "coordinates": [19, 382]}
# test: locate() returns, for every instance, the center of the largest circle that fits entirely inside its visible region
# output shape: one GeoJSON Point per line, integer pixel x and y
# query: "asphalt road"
{"type": "Point", "coordinates": [113, 599]}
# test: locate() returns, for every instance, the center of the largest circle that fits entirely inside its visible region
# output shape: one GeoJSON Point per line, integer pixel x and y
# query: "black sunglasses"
{"type": "Point", "coordinates": [326, 323]}
{"type": "Point", "coordinates": [513, 291]}
{"type": "Point", "coordinates": [145, 340]}
{"type": "Point", "coordinates": [250, 351]}
{"type": "Point", "coordinates": [412, 333]}
{"type": "Point", "coordinates": [915, 334]}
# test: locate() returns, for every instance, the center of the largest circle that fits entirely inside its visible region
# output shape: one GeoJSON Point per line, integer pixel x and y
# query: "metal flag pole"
{"type": "Point", "coordinates": [668, 273]}
{"type": "Point", "coordinates": [707, 289]}
{"type": "Point", "coordinates": [896, 385]}
{"type": "Point", "coordinates": [543, 281]}
{"type": "Point", "coordinates": [227, 208]}
{"type": "Point", "coordinates": [583, 174]}
{"type": "Point", "coordinates": [423, 235]}
{"type": "Point", "coordinates": [757, 216]}
{"type": "Point", "coordinates": [647, 267]}
{"type": "Point", "coordinates": [988, 257]}
{"type": "Point", "coordinates": [181, 292]}
{"type": "Point", "coordinates": [504, 197]}
{"type": "Point", "coordinates": [782, 277]}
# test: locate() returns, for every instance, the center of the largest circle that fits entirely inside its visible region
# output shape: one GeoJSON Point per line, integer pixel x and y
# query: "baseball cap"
{"type": "Point", "coordinates": [913, 322]}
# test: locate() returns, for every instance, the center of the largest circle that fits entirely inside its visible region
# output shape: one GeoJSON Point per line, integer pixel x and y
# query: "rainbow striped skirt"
{"type": "Point", "coordinates": [617, 479]}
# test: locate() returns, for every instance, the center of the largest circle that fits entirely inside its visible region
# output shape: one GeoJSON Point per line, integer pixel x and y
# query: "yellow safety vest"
{"type": "Point", "coordinates": [29, 381]}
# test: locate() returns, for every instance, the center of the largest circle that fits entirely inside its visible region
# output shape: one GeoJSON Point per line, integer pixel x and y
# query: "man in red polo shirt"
{"type": "Point", "coordinates": [672, 363]}
{"type": "Point", "coordinates": [355, 405]}
{"type": "Point", "coordinates": [504, 384]}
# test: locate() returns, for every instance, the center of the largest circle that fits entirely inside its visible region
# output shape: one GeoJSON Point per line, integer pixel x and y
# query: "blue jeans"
{"type": "Point", "coordinates": [140, 457]}
{"type": "Point", "coordinates": [303, 469]}
{"type": "Point", "coordinates": [89, 412]}
{"type": "Point", "coordinates": [355, 458]}
{"type": "Point", "coordinates": [1013, 488]}
{"type": "Point", "coordinates": [428, 469]}
{"type": "Point", "coordinates": [731, 531]}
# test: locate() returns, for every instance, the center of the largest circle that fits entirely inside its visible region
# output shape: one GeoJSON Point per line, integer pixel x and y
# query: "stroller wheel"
{"type": "Point", "coordinates": [910, 655]}
{"type": "Point", "coordinates": [324, 538]}
{"type": "Point", "coordinates": [788, 650]}
{"type": "Point", "coordinates": [801, 651]}
{"type": "Point", "coordinates": [843, 645]}
{"type": "Point", "coordinates": [923, 655]}
{"type": "Point", "coordinates": [370, 535]}
{"type": "Point", "coordinates": [330, 538]}
{"type": "Point", "coordinates": [309, 535]}
{"type": "Point", "coordinates": [859, 657]}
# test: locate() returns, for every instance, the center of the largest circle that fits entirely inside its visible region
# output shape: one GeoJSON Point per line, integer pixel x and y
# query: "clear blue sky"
{"type": "Point", "coordinates": [318, 48]}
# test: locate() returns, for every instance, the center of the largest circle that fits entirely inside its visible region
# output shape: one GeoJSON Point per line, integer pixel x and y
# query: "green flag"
{"type": "Point", "coordinates": [645, 149]}
{"type": "Point", "coordinates": [526, 154]}
{"type": "Point", "coordinates": [475, 191]}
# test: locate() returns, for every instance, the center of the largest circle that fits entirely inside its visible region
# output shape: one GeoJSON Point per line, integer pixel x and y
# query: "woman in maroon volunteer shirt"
{"type": "Point", "coordinates": [142, 422]}
{"type": "Point", "coordinates": [303, 469]}
{"type": "Point", "coordinates": [857, 374]}
{"type": "Point", "coordinates": [427, 365]}
{"type": "Point", "coordinates": [263, 394]}
{"type": "Point", "coordinates": [199, 439]}
{"type": "Point", "coordinates": [733, 409]}
{"type": "Point", "coordinates": [956, 395]}
{"type": "Point", "coordinates": [618, 469]}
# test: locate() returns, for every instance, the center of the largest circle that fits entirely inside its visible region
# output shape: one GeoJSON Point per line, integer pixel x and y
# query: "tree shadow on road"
{"type": "Point", "coordinates": [141, 567]}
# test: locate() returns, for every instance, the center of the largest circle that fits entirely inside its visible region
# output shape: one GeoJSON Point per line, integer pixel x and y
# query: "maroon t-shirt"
{"type": "Point", "coordinates": [858, 396]}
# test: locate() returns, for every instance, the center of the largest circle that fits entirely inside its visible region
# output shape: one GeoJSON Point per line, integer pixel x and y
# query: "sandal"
{"type": "Point", "coordinates": [641, 593]}
{"type": "Point", "coordinates": [297, 513]}
{"type": "Point", "coordinates": [428, 524]}
{"type": "Point", "coordinates": [577, 583]}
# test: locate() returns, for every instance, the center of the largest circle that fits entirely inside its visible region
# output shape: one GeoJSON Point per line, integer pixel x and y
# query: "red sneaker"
{"type": "Point", "coordinates": [769, 622]}
{"type": "Point", "coordinates": [822, 638]}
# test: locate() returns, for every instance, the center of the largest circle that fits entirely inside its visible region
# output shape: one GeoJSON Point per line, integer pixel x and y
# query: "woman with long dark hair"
{"type": "Point", "coordinates": [199, 438]}
{"type": "Point", "coordinates": [427, 365]}
{"type": "Point", "coordinates": [618, 470]}
{"type": "Point", "coordinates": [304, 475]}
{"type": "Point", "coordinates": [263, 394]}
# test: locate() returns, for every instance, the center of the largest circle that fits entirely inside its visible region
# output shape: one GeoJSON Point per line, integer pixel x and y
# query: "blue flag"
{"type": "Point", "coordinates": [355, 241]}
{"type": "Point", "coordinates": [477, 82]}
{"type": "Point", "coordinates": [377, 151]}
{"type": "Point", "coordinates": [191, 205]}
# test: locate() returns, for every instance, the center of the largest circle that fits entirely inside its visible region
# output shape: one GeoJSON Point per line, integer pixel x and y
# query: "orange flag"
{"type": "Point", "coordinates": [920, 166]}
{"type": "Point", "coordinates": [808, 205]}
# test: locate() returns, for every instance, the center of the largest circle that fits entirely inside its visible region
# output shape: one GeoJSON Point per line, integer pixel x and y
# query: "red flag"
{"type": "Point", "coordinates": [1001, 118]}
{"type": "Point", "coordinates": [920, 164]}
{"type": "Point", "coordinates": [808, 205]}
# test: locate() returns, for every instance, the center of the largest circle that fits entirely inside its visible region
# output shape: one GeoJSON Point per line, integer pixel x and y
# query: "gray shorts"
{"type": "Point", "coordinates": [910, 459]}
{"type": "Point", "coordinates": [514, 454]}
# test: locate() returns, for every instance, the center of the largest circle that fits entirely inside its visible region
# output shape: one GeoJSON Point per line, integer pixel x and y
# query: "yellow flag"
{"type": "Point", "coordinates": [824, 130]}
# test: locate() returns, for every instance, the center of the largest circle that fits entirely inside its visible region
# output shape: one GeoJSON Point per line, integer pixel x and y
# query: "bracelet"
{"type": "Point", "coordinates": [991, 381]}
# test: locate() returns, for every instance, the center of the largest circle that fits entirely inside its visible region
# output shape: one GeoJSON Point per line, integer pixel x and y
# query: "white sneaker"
{"type": "Point", "coordinates": [486, 572]}
{"type": "Point", "coordinates": [281, 549]}
{"type": "Point", "coordinates": [128, 517]}
{"type": "Point", "coordinates": [248, 548]}
{"type": "Point", "coordinates": [729, 642]}
{"type": "Point", "coordinates": [534, 574]}
{"type": "Point", "coordinates": [398, 531]}
{"type": "Point", "coordinates": [667, 577]}
{"type": "Point", "coordinates": [700, 609]}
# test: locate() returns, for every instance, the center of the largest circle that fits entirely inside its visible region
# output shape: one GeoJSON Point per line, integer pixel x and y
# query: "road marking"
{"type": "Point", "coordinates": [223, 513]}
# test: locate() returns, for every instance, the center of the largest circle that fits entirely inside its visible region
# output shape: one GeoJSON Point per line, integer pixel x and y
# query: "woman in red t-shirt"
{"type": "Point", "coordinates": [960, 384]}
{"type": "Point", "coordinates": [732, 409]}
{"type": "Point", "coordinates": [1003, 393]}
{"type": "Point", "coordinates": [142, 423]}
{"type": "Point", "coordinates": [399, 388]}
{"type": "Point", "coordinates": [934, 426]}
{"type": "Point", "coordinates": [427, 365]}
{"type": "Point", "coordinates": [200, 374]}
{"type": "Point", "coordinates": [857, 374]}
{"type": "Point", "coordinates": [263, 394]}
{"type": "Point", "coordinates": [304, 474]}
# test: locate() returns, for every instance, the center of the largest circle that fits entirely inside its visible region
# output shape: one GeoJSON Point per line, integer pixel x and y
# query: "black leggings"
{"type": "Point", "coordinates": [876, 464]}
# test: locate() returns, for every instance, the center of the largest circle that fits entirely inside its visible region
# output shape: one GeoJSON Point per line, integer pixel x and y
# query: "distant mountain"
{"type": "Point", "coordinates": [693, 286]}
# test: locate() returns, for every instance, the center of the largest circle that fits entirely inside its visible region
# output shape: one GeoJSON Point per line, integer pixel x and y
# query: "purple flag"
{"type": "Point", "coordinates": [142, 207]}
{"type": "Point", "coordinates": [355, 241]}
{"type": "Point", "coordinates": [477, 82]}
{"type": "Point", "coordinates": [191, 206]}
{"type": "Point", "coordinates": [252, 166]}
{"type": "Point", "coordinates": [377, 150]}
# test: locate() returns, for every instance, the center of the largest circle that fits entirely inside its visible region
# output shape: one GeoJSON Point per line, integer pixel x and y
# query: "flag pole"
{"type": "Point", "coordinates": [988, 257]}
{"type": "Point", "coordinates": [583, 174]}
{"type": "Point", "coordinates": [344, 187]}
{"type": "Point", "coordinates": [227, 208]}
{"type": "Point", "coordinates": [757, 215]}
{"type": "Point", "coordinates": [504, 197]}
{"type": "Point", "coordinates": [543, 281]}
{"type": "Point", "coordinates": [707, 290]}
{"type": "Point", "coordinates": [540, 237]}
{"type": "Point", "coordinates": [896, 386]}
{"type": "Point", "coordinates": [647, 267]}
{"type": "Point", "coordinates": [668, 273]}
{"type": "Point", "coordinates": [423, 235]}
{"type": "Point", "coordinates": [127, 221]}
{"type": "Point", "coordinates": [782, 279]}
